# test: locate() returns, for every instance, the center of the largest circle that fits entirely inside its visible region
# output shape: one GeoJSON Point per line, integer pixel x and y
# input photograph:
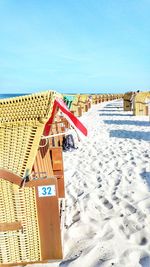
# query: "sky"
{"type": "Point", "coordinates": [74, 46]}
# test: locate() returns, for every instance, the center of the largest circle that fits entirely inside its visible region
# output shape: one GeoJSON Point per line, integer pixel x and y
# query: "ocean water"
{"type": "Point", "coordinates": [10, 95]}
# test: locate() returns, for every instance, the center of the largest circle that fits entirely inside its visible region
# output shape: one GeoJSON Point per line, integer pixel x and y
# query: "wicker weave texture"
{"type": "Point", "coordinates": [29, 108]}
{"type": "Point", "coordinates": [18, 205]}
{"type": "Point", "coordinates": [142, 96]}
{"type": "Point", "coordinates": [22, 121]}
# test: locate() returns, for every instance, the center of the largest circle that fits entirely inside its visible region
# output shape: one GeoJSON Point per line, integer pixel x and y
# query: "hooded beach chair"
{"type": "Point", "coordinates": [75, 106]}
{"type": "Point", "coordinates": [127, 101]}
{"type": "Point", "coordinates": [102, 98]}
{"type": "Point", "coordinates": [141, 104]}
{"type": "Point", "coordinates": [94, 99]}
{"type": "Point", "coordinates": [84, 102]}
{"type": "Point", "coordinates": [30, 226]}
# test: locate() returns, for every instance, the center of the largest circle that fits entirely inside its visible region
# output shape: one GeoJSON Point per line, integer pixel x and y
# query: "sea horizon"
{"type": "Point", "coordinates": [2, 96]}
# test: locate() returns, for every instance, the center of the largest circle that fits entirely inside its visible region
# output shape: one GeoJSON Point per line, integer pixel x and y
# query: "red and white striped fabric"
{"type": "Point", "coordinates": [73, 120]}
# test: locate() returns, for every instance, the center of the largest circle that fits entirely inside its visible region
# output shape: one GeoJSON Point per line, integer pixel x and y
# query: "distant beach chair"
{"type": "Point", "coordinates": [99, 98]}
{"type": "Point", "coordinates": [141, 104]}
{"type": "Point", "coordinates": [103, 98]}
{"type": "Point", "coordinates": [68, 99]}
{"type": "Point", "coordinates": [94, 99]}
{"type": "Point", "coordinates": [31, 182]}
{"type": "Point", "coordinates": [75, 106]}
{"type": "Point", "coordinates": [59, 126]}
{"type": "Point", "coordinates": [84, 102]}
{"type": "Point", "coordinates": [127, 101]}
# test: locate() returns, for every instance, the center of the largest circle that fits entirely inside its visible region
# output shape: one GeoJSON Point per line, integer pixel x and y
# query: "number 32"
{"type": "Point", "coordinates": [46, 191]}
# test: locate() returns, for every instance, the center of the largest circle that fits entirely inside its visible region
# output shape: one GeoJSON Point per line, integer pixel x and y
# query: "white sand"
{"type": "Point", "coordinates": [108, 192]}
{"type": "Point", "coordinates": [107, 198]}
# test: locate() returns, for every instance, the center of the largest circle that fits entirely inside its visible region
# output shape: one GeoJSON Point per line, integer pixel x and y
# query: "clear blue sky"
{"type": "Point", "coordinates": [74, 45]}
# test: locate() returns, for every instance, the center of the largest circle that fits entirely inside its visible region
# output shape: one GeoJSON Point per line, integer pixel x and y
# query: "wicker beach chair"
{"type": "Point", "coordinates": [102, 98]}
{"type": "Point", "coordinates": [30, 227]}
{"type": "Point", "coordinates": [84, 102]}
{"type": "Point", "coordinates": [127, 103]}
{"type": "Point", "coordinates": [75, 106]}
{"type": "Point", "coordinates": [94, 99]}
{"type": "Point", "coordinates": [141, 104]}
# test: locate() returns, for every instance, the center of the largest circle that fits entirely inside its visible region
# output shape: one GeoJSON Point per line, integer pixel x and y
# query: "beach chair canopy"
{"type": "Point", "coordinates": [127, 96]}
{"type": "Point", "coordinates": [142, 97]}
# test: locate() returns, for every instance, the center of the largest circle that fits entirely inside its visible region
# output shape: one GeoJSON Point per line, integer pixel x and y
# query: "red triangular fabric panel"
{"type": "Point", "coordinates": [71, 117]}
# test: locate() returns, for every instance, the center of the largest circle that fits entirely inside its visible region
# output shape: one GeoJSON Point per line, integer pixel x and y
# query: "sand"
{"type": "Point", "coordinates": [107, 220]}
{"type": "Point", "coordinates": [107, 191]}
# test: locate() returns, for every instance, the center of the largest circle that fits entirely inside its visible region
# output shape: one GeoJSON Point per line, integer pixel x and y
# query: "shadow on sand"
{"type": "Point", "coordinates": [139, 135]}
{"type": "Point", "coordinates": [116, 114]}
{"type": "Point", "coordinates": [146, 176]}
{"type": "Point", "coordinates": [127, 122]}
{"type": "Point", "coordinates": [110, 110]}
{"type": "Point", "coordinates": [113, 106]}
{"type": "Point", "coordinates": [145, 262]}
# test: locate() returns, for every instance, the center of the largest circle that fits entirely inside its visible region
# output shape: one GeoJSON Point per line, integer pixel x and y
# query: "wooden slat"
{"type": "Point", "coordinates": [48, 164]}
{"type": "Point", "coordinates": [61, 187]}
{"type": "Point", "coordinates": [11, 177]}
{"type": "Point", "coordinates": [57, 164]}
{"type": "Point", "coordinates": [57, 159]}
{"type": "Point", "coordinates": [39, 162]}
{"type": "Point", "coordinates": [61, 183]}
{"type": "Point", "coordinates": [35, 166]}
{"type": "Point", "coordinates": [10, 226]}
{"type": "Point", "coordinates": [49, 224]}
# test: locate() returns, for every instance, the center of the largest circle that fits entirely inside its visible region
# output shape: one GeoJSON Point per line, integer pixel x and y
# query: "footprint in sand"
{"type": "Point", "coordinates": [99, 179]}
{"type": "Point", "coordinates": [129, 209]}
{"type": "Point", "coordinates": [99, 186]}
{"type": "Point", "coordinates": [76, 217]}
{"type": "Point", "coordinates": [108, 235]}
{"type": "Point", "coordinates": [107, 204]}
{"type": "Point", "coordinates": [143, 241]}
{"type": "Point", "coordinates": [129, 227]}
{"type": "Point", "coordinates": [115, 198]}
{"type": "Point", "coordinates": [140, 237]}
{"type": "Point", "coordinates": [66, 262]}
{"type": "Point", "coordinates": [117, 182]}
{"type": "Point", "coordinates": [140, 216]}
